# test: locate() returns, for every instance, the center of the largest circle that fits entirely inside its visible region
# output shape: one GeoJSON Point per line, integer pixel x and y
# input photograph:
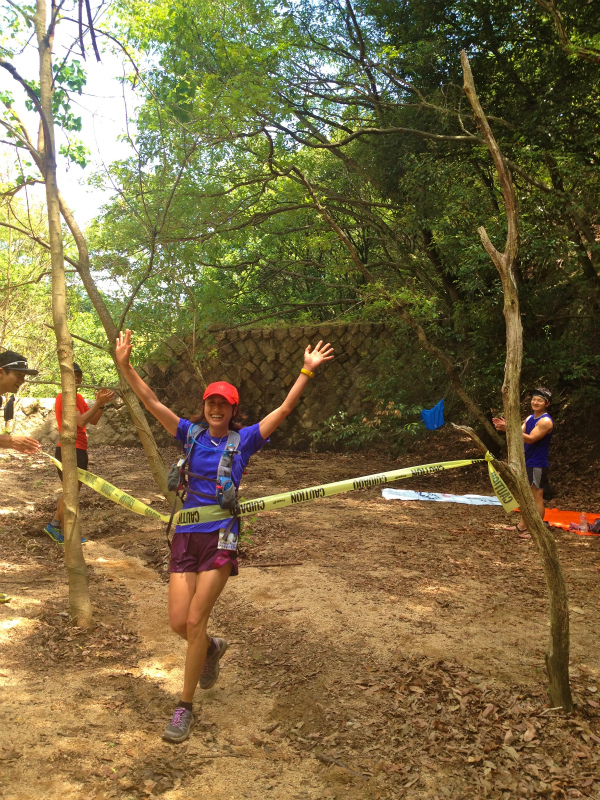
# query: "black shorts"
{"type": "Point", "coordinates": [538, 477]}
{"type": "Point", "coordinates": [82, 459]}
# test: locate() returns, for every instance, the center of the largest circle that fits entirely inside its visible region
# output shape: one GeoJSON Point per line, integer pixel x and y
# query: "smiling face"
{"type": "Point", "coordinates": [11, 380]}
{"type": "Point", "coordinates": [218, 413]}
{"type": "Point", "coordinates": [538, 405]}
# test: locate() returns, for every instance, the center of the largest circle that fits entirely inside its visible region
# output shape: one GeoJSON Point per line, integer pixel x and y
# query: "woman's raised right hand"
{"type": "Point", "coordinates": [123, 348]}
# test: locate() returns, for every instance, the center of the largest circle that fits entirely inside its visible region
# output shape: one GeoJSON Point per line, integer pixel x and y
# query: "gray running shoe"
{"type": "Point", "coordinates": [180, 726]}
{"type": "Point", "coordinates": [210, 673]}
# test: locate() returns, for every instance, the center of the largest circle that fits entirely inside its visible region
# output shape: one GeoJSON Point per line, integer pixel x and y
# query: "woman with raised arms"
{"type": "Point", "coordinates": [199, 569]}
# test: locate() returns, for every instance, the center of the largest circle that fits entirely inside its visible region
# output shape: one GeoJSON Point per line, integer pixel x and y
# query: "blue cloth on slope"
{"type": "Point", "coordinates": [434, 417]}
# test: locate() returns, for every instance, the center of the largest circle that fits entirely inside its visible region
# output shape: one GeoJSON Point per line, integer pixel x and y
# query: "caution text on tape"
{"type": "Point", "coordinates": [211, 513]}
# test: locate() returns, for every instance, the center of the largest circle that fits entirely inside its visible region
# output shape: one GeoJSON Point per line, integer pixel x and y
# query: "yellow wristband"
{"type": "Point", "coordinates": [307, 372]}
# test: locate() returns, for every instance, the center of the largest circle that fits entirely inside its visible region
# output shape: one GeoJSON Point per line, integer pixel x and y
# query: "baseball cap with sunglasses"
{"type": "Point", "coordinates": [9, 360]}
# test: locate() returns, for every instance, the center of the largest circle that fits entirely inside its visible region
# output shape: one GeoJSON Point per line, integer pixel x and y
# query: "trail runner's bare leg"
{"type": "Point", "coordinates": [191, 600]}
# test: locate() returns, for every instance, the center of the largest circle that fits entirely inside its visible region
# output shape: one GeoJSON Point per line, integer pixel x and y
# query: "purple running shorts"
{"type": "Point", "coordinates": [198, 552]}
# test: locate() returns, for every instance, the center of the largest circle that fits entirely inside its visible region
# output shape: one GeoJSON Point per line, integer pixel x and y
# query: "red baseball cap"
{"type": "Point", "coordinates": [226, 390]}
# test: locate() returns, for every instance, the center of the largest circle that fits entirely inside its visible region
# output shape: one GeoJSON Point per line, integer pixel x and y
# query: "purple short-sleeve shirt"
{"type": "Point", "coordinates": [205, 461]}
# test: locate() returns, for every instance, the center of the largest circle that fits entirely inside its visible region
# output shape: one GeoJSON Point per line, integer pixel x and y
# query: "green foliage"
{"type": "Point", "coordinates": [76, 152]}
{"type": "Point", "coordinates": [249, 197]}
{"type": "Point", "coordinates": [258, 220]}
{"type": "Point", "coordinates": [386, 429]}
{"type": "Point", "coordinates": [26, 307]}
{"type": "Point", "coordinates": [68, 78]}
{"type": "Point", "coordinates": [25, 299]}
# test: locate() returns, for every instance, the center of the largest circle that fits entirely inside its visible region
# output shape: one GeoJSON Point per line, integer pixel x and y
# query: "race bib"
{"type": "Point", "coordinates": [228, 540]}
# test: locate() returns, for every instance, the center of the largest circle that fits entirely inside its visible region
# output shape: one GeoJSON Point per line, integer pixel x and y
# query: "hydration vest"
{"type": "Point", "coordinates": [225, 488]}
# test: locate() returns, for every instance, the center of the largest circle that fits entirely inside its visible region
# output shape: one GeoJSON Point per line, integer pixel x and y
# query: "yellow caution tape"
{"type": "Point", "coordinates": [112, 493]}
{"type": "Point", "coordinates": [193, 516]}
{"type": "Point", "coordinates": [501, 490]}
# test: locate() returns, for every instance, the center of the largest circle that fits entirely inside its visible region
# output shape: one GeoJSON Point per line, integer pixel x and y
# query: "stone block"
{"type": "Point", "coordinates": [184, 377]}
{"type": "Point", "coordinates": [293, 349]}
{"type": "Point", "coordinates": [266, 348]}
{"type": "Point", "coordinates": [28, 405]}
{"type": "Point", "coordinates": [255, 393]}
{"type": "Point", "coordinates": [240, 348]}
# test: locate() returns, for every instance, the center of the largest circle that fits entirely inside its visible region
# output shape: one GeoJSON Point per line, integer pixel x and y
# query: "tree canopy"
{"type": "Point", "coordinates": [309, 161]}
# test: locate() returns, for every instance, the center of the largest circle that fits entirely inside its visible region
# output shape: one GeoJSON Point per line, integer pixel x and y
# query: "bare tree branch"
{"type": "Point", "coordinates": [105, 349]}
{"type": "Point", "coordinates": [437, 137]}
{"type": "Point", "coordinates": [297, 307]}
{"type": "Point", "coordinates": [37, 240]}
{"type": "Point", "coordinates": [16, 189]}
{"type": "Point", "coordinates": [32, 96]}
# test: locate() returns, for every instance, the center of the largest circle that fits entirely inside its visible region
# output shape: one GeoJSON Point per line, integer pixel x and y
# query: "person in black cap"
{"type": "Point", "coordinates": [537, 435]}
{"type": "Point", "coordinates": [85, 416]}
{"type": "Point", "coordinates": [13, 369]}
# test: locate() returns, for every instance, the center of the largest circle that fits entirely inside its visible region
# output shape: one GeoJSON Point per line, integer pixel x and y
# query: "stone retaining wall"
{"type": "Point", "coordinates": [35, 417]}
{"type": "Point", "coordinates": [263, 363]}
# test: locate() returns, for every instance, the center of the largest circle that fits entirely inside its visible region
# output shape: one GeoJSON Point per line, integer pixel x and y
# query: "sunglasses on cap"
{"type": "Point", "coordinates": [19, 366]}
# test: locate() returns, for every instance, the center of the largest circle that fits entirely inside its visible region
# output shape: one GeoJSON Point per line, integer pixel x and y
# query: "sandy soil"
{"type": "Point", "coordinates": [399, 653]}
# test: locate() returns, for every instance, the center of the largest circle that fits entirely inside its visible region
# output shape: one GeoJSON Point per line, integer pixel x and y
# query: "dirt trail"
{"type": "Point", "coordinates": [403, 657]}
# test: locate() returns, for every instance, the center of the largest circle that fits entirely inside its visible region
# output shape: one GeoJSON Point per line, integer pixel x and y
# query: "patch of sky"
{"type": "Point", "coordinates": [107, 105]}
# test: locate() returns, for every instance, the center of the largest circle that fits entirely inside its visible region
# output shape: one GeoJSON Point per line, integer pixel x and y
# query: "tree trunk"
{"type": "Point", "coordinates": [138, 417]}
{"type": "Point", "coordinates": [557, 656]}
{"type": "Point", "coordinates": [79, 598]}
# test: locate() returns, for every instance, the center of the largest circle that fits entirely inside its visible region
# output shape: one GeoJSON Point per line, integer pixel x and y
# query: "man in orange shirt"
{"type": "Point", "coordinates": [85, 416]}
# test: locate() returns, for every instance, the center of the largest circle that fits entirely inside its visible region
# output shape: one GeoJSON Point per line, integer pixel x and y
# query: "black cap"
{"type": "Point", "coordinates": [11, 360]}
{"type": "Point", "coordinates": [541, 391]}
{"type": "Point", "coordinates": [77, 368]}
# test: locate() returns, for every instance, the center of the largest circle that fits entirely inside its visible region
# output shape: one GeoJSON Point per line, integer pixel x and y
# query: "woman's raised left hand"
{"type": "Point", "coordinates": [314, 358]}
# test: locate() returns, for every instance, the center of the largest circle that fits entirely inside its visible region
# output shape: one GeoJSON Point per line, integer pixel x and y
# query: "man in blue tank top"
{"type": "Point", "coordinates": [537, 435]}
